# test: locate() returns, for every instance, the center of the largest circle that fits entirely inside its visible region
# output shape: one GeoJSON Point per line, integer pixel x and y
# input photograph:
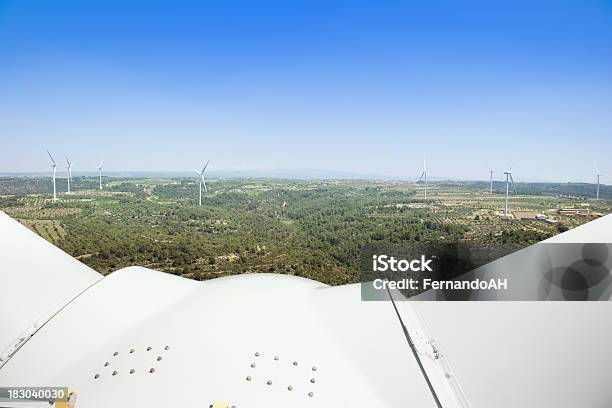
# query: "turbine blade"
{"type": "Point", "coordinates": [204, 182]}
{"type": "Point", "coordinates": [101, 163]}
{"type": "Point", "coordinates": [205, 166]}
{"type": "Point", "coordinates": [68, 161]}
{"type": "Point", "coordinates": [51, 157]}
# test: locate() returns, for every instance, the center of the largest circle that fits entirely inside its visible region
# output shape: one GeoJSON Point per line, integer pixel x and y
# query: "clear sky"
{"type": "Point", "coordinates": [356, 86]}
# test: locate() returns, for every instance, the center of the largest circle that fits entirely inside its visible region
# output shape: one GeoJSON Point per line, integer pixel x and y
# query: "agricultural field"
{"type": "Point", "coordinates": [314, 229]}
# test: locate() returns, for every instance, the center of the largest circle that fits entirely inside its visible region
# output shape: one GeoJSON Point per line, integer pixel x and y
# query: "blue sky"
{"type": "Point", "coordinates": [357, 86]}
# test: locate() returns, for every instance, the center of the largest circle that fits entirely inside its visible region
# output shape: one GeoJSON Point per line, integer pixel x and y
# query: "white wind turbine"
{"type": "Point", "coordinates": [54, 166]}
{"type": "Point", "coordinates": [598, 174]}
{"type": "Point", "coordinates": [100, 172]}
{"type": "Point", "coordinates": [202, 181]}
{"type": "Point", "coordinates": [423, 177]}
{"type": "Point", "coordinates": [69, 173]}
{"type": "Point", "coordinates": [509, 180]}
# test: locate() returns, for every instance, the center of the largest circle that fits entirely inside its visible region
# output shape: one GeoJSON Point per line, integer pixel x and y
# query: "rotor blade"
{"type": "Point", "coordinates": [101, 162]}
{"type": "Point", "coordinates": [68, 161]}
{"type": "Point", "coordinates": [204, 182]}
{"type": "Point", "coordinates": [197, 172]}
{"type": "Point", "coordinates": [51, 157]}
{"type": "Point", "coordinates": [205, 166]}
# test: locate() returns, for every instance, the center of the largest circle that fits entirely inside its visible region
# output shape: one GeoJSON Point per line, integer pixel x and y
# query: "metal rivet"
{"type": "Point", "coordinates": [132, 351]}
{"type": "Point", "coordinates": [248, 378]}
{"type": "Point", "coordinates": [310, 394]}
{"type": "Point", "coordinates": [257, 354]}
{"type": "Point", "coordinates": [275, 358]}
{"type": "Point", "coordinates": [96, 376]}
{"type": "Point", "coordinates": [106, 364]}
{"type": "Point", "coordinates": [295, 363]}
{"type": "Point", "coordinates": [312, 380]}
{"type": "Point", "coordinates": [149, 348]}
{"type": "Point", "coordinates": [290, 388]}
{"type": "Point", "coordinates": [132, 371]}
{"type": "Point", "coordinates": [159, 358]}
{"type": "Point", "coordinates": [314, 368]}
{"type": "Point", "coordinates": [115, 373]}
{"type": "Point", "coordinates": [252, 365]}
{"type": "Point", "coordinates": [269, 382]}
{"type": "Point", "coordinates": [167, 348]}
{"type": "Point", "coordinates": [152, 370]}
{"type": "Point", "coordinates": [116, 353]}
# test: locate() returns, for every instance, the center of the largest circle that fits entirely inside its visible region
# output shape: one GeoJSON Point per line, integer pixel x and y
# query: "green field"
{"type": "Point", "coordinates": [314, 229]}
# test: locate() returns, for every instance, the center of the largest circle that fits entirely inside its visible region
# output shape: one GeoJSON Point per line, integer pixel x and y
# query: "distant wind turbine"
{"type": "Point", "coordinates": [491, 182]}
{"type": "Point", "coordinates": [509, 180]}
{"type": "Point", "coordinates": [202, 181]}
{"type": "Point", "coordinates": [423, 177]}
{"type": "Point", "coordinates": [54, 166]}
{"type": "Point", "coordinates": [598, 174]}
{"type": "Point", "coordinates": [100, 172]}
{"type": "Point", "coordinates": [69, 173]}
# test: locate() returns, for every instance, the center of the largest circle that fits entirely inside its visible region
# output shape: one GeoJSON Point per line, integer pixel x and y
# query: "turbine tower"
{"type": "Point", "coordinates": [202, 181]}
{"type": "Point", "coordinates": [509, 180]}
{"type": "Point", "coordinates": [54, 166]}
{"type": "Point", "coordinates": [100, 172]}
{"type": "Point", "coordinates": [69, 173]}
{"type": "Point", "coordinates": [598, 176]}
{"type": "Point", "coordinates": [423, 177]}
{"type": "Point", "coordinates": [491, 182]}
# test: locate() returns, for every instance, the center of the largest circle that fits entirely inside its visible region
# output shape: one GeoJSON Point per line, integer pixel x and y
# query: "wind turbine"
{"type": "Point", "coordinates": [491, 182]}
{"type": "Point", "coordinates": [202, 181]}
{"type": "Point", "coordinates": [509, 180]}
{"type": "Point", "coordinates": [54, 166]}
{"type": "Point", "coordinates": [69, 173]}
{"type": "Point", "coordinates": [423, 177]}
{"type": "Point", "coordinates": [598, 176]}
{"type": "Point", "coordinates": [100, 172]}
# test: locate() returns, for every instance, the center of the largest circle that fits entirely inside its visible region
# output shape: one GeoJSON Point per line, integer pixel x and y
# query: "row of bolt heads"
{"type": "Point", "coordinates": [132, 371]}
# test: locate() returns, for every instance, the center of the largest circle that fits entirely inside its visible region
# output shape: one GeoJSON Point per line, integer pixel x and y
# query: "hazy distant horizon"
{"type": "Point", "coordinates": [280, 174]}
